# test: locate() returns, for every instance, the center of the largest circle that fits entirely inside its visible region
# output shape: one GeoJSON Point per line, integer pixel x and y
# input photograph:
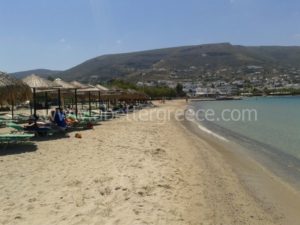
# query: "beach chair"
{"type": "Point", "coordinates": [110, 114]}
{"type": "Point", "coordinates": [74, 122]}
{"type": "Point", "coordinates": [20, 118]}
{"type": "Point", "coordinates": [4, 119]}
{"type": "Point", "coordinates": [15, 138]}
{"type": "Point", "coordinates": [88, 119]}
{"type": "Point", "coordinates": [38, 131]}
{"type": "Point", "coordinates": [2, 123]}
{"type": "Point", "coordinates": [103, 116]}
{"type": "Point", "coordinates": [16, 127]}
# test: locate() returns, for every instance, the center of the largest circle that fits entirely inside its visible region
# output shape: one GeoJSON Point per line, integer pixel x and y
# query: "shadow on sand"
{"type": "Point", "coordinates": [60, 135]}
{"type": "Point", "coordinates": [13, 149]}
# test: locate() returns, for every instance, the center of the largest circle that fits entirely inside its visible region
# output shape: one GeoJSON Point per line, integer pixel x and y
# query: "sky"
{"type": "Point", "coordinates": [59, 34]}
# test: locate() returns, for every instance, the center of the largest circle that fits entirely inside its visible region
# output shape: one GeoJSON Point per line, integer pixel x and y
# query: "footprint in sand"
{"type": "Point", "coordinates": [105, 191]}
{"type": "Point", "coordinates": [74, 183]}
{"type": "Point", "coordinates": [166, 186]}
{"type": "Point", "coordinates": [158, 152]}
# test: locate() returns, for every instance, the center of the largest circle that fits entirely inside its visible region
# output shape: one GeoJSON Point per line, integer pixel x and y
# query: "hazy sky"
{"type": "Point", "coordinates": [58, 34]}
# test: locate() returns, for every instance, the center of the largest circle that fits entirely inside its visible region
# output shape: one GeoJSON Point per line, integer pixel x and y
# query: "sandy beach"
{"type": "Point", "coordinates": [131, 172]}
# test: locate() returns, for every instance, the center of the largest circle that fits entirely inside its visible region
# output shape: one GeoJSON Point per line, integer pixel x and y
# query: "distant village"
{"type": "Point", "coordinates": [251, 80]}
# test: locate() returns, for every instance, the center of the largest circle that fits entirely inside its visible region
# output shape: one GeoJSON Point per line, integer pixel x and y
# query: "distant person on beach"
{"type": "Point", "coordinates": [51, 116]}
{"type": "Point", "coordinates": [59, 119]}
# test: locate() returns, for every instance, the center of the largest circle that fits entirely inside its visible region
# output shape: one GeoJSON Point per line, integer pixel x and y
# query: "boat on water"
{"type": "Point", "coordinates": [223, 98]}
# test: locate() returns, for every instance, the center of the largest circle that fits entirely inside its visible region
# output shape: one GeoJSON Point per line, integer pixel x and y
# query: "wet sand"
{"type": "Point", "coordinates": [127, 171]}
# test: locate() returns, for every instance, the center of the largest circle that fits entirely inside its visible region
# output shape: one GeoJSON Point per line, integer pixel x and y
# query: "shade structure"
{"type": "Point", "coordinates": [90, 90]}
{"type": "Point", "coordinates": [136, 95]}
{"type": "Point", "coordinates": [63, 85]}
{"type": "Point", "coordinates": [130, 94]}
{"type": "Point", "coordinates": [13, 90]}
{"type": "Point", "coordinates": [79, 85]}
{"type": "Point", "coordinates": [102, 88]}
{"type": "Point", "coordinates": [38, 83]}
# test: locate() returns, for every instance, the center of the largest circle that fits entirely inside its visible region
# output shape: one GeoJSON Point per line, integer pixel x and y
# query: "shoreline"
{"type": "Point", "coordinates": [278, 162]}
{"type": "Point", "coordinates": [128, 172]}
{"type": "Point", "coordinates": [267, 188]}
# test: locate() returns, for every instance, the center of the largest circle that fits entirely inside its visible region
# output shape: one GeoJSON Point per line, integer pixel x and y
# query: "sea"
{"type": "Point", "coordinates": [268, 127]}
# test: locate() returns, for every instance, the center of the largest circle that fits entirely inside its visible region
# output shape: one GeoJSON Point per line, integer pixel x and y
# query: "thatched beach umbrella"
{"type": "Point", "coordinates": [136, 95]}
{"type": "Point", "coordinates": [79, 85]}
{"type": "Point", "coordinates": [63, 85]}
{"type": "Point", "coordinates": [38, 83]}
{"type": "Point", "coordinates": [102, 88]}
{"type": "Point", "coordinates": [90, 89]}
{"type": "Point", "coordinates": [102, 91]}
{"type": "Point", "coordinates": [12, 90]}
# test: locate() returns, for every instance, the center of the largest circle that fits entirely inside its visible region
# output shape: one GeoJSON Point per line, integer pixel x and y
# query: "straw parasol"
{"type": "Point", "coordinates": [79, 85]}
{"type": "Point", "coordinates": [12, 90]}
{"type": "Point", "coordinates": [63, 84]}
{"type": "Point", "coordinates": [89, 89]}
{"type": "Point", "coordinates": [102, 88]}
{"type": "Point", "coordinates": [38, 84]}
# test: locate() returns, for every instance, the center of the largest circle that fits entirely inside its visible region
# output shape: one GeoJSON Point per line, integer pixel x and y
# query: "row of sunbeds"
{"type": "Point", "coordinates": [22, 133]}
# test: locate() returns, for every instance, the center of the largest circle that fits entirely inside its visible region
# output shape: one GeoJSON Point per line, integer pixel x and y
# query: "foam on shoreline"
{"type": "Point", "coordinates": [268, 188]}
{"type": "Point", "coordinates": [206, 130]}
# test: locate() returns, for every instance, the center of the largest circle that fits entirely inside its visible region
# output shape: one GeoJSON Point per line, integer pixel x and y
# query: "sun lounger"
{"type": "Point", "coordinates": [5, 119]}
{"type": "Point", "coordinates": [2, 123]}
{"type": "Point", "coordinates": [15, 126]}
{"type": "Point", "coordinates": [104, 115]}
{"type": "Point", "coordinates": [89, 119]}
{"type": "Point", "coordinates": [78, 124]}
{"type": "Point", "coordinates": [39, 131]}
{"type": "Point", "coordinates": [21, 118]}
{"type": "Point", "coordinates": [14, 138]}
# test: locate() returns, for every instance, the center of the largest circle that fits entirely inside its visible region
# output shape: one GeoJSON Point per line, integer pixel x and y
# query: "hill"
{"type": "Point", "coordinates": [187, 62]}
{"type": "Point", "coordinates": [182, 63]}
{"type": "Point", "coordinates": [40, 72]}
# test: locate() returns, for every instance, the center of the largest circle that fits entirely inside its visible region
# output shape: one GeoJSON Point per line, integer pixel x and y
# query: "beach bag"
{"type": "Point", "coordinates": [78, 135]}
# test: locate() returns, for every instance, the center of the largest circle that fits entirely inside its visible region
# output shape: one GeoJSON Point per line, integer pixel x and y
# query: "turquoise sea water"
{"type": "Point", "coordinates": [277, 124]}
{"type": "Point", "coordinates": [275, 133]}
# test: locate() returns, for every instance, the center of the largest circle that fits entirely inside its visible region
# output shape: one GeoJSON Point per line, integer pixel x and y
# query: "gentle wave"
{"type": "Point", "coordinates": [204, 129]}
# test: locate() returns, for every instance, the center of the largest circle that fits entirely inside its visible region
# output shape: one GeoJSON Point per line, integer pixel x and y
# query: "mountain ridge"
{"type": "Point", "coordinates": [184, 62]}
{"type": "Point", "coordinates": [41, 72]}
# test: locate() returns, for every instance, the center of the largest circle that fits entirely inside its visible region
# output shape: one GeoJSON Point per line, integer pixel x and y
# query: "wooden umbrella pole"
{"type": "Point", "coordinates": [46, 102]}
{"type": "Point", "coordinates": [34, 102]}
{"type": "Point", "coordinates": [90, 106]}
{"type": "Point", "coordinates": [59, 99]}
{"type": "Point", "coordinates": [12, 108]}
{"type": "Point", "coordinates": [99, 99]}
{"type": "Point", "coordinates": [76, 107]}
{"type": "Point", "coordinates": [31, 106]}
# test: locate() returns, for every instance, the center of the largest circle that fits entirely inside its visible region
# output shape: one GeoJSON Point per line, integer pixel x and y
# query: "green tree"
{"type": "Point", "coordinates": [50, 78]}
{"type": "Point", "coordinates": [179, 90]}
